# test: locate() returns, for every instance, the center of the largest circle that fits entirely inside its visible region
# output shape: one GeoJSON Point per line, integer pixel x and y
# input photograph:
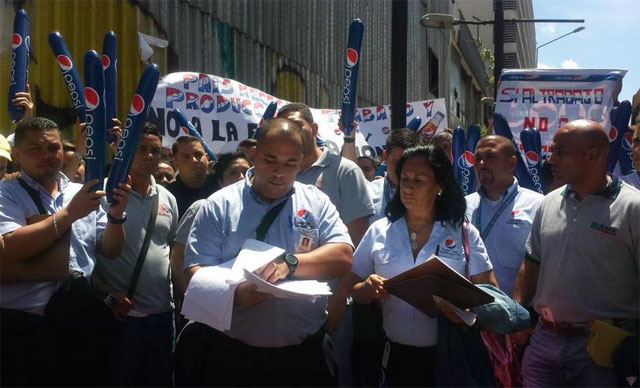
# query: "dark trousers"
{"type": "Point", "coordinates": [411, 366]}
{"type": "Point", "coordinates": [27, 350]}
{"type": "Point", "coordinates": [207, 357]}
{"type": "Point", "coordinates": [368, 345]}
{"type": "Point", "coordinates": [142, 354]}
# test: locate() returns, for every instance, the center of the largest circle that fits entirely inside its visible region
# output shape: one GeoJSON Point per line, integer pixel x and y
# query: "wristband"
{"type": "Point", "coordinates": [55, 225]}
{"type": "Point", "coordinates": [349, 139]}
{"type": "Point", "coordinates": [117, 221]}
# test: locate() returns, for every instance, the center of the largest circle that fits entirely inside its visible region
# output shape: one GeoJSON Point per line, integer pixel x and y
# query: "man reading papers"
{"type": "Point", "coordinates": [271, 341]}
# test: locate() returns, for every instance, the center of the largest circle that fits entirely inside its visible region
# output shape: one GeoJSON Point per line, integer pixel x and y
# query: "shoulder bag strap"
{"type": "Point", "coordinates": [145, 247]}
{"type": "Point", "coordinates": [265, 224]}
{"type": "Point", "coordinates": [35, 196]}
{"type": "Point", "coordinates": [466, 247]}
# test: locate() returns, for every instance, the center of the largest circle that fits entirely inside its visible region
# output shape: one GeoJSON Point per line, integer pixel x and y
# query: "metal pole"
{"type": "Point", "coordinates": [399, 11]}
{"type": "Point", "coordinates": [498, 44]}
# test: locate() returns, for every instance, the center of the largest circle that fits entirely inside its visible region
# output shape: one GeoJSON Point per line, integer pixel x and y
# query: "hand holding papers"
{"type": "Point", "coordinates": [433, 277]}
{"type": "Point", "coordinates": [210, 295]}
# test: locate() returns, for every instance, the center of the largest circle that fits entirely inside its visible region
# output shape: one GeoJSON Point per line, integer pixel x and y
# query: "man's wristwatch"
{"type": "Point", "coordinates": [349, 139]}
{"type": "Point", "coordinates": [292, 263]}
{"type": "Point", "coordinates": [117, 221]}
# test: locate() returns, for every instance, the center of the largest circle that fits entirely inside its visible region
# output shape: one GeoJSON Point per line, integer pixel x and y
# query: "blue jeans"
{"type": "Point", "coordinates": [553, 361]}
{"type": "Point", "coordinates": [143, 353]}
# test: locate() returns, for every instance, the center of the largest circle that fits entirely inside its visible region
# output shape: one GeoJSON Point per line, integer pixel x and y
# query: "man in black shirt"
{"type": "Point", "coordinates": [193, 182]}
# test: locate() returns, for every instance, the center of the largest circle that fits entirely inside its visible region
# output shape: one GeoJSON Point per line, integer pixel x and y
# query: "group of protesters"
{"type": "Point", "coordinates": [562, 268]}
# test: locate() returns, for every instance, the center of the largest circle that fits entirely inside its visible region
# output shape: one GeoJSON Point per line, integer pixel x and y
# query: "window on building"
{"type": "Point", "coordinates": [434, 70]}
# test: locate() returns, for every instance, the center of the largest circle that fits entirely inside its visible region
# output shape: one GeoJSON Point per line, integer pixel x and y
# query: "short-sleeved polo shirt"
{"type": "Point", "coordinates": [588, 252]}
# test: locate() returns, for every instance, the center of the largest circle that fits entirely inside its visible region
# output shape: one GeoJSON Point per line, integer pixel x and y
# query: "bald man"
{"type": "Point", "coordinates": [272, 341]}
{"type": "Point", "coordinates": [501, 210]}
{"type": "Point", "coordinates": [581, 263]}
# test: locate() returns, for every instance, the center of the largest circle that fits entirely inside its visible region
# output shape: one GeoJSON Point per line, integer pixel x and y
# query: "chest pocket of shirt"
{"type": "Point", "coordinates": [455, 260]}
{"type": "Point", "coordinates": [386, 257]}
{"type": "Point", "coordinates": [305, 239]}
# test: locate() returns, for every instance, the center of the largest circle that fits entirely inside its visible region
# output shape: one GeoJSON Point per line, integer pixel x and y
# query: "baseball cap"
{"type": "Point", "coordinates": [5, 148]}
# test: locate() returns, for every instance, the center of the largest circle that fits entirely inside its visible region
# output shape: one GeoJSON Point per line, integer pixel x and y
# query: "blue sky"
{"type": "Point", "coordinates": [611, 39]}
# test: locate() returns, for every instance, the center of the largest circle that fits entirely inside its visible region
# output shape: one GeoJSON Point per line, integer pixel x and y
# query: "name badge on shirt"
{"type": "Point", "coordinates": [305, 242]}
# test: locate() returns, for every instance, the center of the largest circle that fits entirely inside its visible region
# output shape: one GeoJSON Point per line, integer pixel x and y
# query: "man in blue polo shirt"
{"type": "Point", "coordinates": [31, 353]}
{"type": "Point", "coordinates": [272, 341]}
{"type": "Point", "coordinates": [501, 210]}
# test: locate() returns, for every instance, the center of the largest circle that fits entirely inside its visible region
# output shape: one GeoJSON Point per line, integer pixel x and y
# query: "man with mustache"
{"type": "Point", "coordinates": [501, 210]}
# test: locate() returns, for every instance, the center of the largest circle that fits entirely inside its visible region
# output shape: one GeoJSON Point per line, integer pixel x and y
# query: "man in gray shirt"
{"type": "Point", "coordinates": [345, 184]}
{"type": "Point", "coordinates": [142, 354]}
{"type": "Point", "coordinates": [581, 262]}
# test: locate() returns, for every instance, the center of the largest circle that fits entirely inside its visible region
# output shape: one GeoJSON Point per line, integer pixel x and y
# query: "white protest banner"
{"type": "Point", "coordinates": [549, 98]}
{"type": "Point", "coordinates": [226, 112]}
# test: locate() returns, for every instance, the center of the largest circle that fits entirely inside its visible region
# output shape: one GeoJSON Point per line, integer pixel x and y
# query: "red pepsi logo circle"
{"type": "Point", "coordinates": [386, 130]}
{"type": "Point", "coordinates": [64, 62]}
{"type": "Point", "coordinates": [450, 243]}
{"type": "Point", "coordinates": [302, 213]}
{"type": "Point", "coordinates": [466, 160]}
{"type": "Point", "coordinates": [352, 57]}
{"type": "Point", "coordinates": [137, 105]}
{"type": "Point", "coordinates": [627, 142]}
{"type": "Point", "coordinates": [613, 134]}
{"type": "Point", "coordinates": [105, 62]}
{"type": "Point", "coordinates": [16, 41]}
{"type": "Point", "coordinates": [532, 158]}
{"type": "Point", "coordinates": [92, 98]}
{"type": "Point", "coordinates": [337, 131]}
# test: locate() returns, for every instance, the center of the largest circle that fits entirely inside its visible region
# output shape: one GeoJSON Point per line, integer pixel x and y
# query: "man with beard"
{"type": "Point", "coordinates": [501, 210]}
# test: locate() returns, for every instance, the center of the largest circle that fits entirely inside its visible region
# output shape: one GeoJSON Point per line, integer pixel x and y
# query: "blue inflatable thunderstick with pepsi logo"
{"type": "Point", "coordinates": [133, 128]}
{"type": "Point", "coordinates": [96, 129]}
{"type": "Point", "coordinates": [350, 80]}
{"type": "Point", "coordinates": [184, 123]}
{"type": "Point", "coordinates": [69, 72]}
{"type": "Point", "coordinates": [532, 157]}
{"type": "Point", "coordinates": [20, 42]}
{"type": "Point", "coordinates": [109, 65]}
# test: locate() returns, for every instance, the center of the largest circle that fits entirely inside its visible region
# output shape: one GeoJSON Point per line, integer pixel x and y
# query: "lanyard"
{"type": "Point", "coordinates": [505, 203]}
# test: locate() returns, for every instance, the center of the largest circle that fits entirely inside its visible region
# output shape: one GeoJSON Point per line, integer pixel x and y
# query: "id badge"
{"type": "Point", "coordinates": [305, 242]}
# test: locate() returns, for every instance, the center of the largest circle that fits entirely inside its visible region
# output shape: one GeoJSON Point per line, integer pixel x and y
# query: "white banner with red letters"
{"type": "Point", "coordinates": [548, 98]}
{"type": "Point", "coordinates": [226, 112]}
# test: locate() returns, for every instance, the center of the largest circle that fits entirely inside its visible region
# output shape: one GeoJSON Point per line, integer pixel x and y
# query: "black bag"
{"type": "Point", "coordinates": [77, 305]}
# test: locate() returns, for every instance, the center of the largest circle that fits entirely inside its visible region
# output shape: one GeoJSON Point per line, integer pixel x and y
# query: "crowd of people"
{"type": "Point", "coordinates": [564, 267]}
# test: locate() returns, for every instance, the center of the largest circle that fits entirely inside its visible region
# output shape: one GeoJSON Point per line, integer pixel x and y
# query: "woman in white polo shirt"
{"type": "Point", "coordinates": [425, 217]}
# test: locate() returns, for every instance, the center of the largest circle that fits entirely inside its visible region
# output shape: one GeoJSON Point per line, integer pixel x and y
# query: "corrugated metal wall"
{"type": "Point", "coordinates": [308, 37]}
{"type": "Point", "coordinates": [83, 23]}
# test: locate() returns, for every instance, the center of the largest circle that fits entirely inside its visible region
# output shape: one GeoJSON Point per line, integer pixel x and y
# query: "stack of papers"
{"type": "Point", "coordinates": [209, 297]}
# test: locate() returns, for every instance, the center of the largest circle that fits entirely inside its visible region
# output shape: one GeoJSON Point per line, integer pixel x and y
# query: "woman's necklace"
{"type": "Point", "coordinates": [414, 230]}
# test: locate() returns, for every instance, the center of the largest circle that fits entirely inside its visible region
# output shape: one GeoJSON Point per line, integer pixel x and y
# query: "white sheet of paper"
{"type": "Point", "coordinates": [295, 289]}
{"type": "Point", "coordinates": [253, 255]}
{"type": "Point", "coordinates": [467, 316]}
{"type": "Point", "coordinates": [209, 298]}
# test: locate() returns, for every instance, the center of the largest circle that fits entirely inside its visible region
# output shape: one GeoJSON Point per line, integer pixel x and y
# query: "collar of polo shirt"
{"type": "Point", "coordinates": [611, 191]}
{"type": "Point", "coordinates": [254, 192]}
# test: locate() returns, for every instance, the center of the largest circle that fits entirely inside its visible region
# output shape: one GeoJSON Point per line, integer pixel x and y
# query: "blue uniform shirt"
{"type": "Point", "coordinates": [386, 250]}
{"type": "Point", "coordinates": [506, 239]}
{"type": "Point", "coordinates": [381, 193]}
{"type": "Point", "coordinates": [230, 216]}
{"type": "Point", "coordinates": [16, 206]}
